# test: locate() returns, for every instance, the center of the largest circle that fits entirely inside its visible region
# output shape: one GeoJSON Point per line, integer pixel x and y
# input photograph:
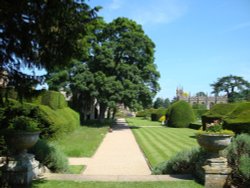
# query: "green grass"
{"type": "Point", "coordinates": [83, 142]}
{"type": "Point", "coordinates": [161, 143]}
{"type": "Point", "coordinates": [76, 169]}
{"type": "Point", "coordinates": [74, 184]}
{"type": "Point", "coordinates": [138, 121]}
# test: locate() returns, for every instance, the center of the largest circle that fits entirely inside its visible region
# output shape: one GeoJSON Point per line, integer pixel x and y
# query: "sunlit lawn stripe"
{"type": "Point", "coordinates": [170, 146]}
{"type": "Point", "coordinates": [160, 143]}
{"type": "Point", "coordinates": [147, 149]}
{"type": "Point", "coordinates": [157, 149]}
{"type": "Point", "coordinates": [177, 139]}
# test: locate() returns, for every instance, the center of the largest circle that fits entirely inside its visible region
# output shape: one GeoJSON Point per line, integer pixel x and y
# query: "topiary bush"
{"type": "Point", "coordinates": [54, 100]}
{"type": "Point", "coordinates": [180, 115]}
{"type": "Point", "coordinates": [238, 154]}
{"type": "Point", "coordinates": [52, 123]}
{"type": "Point", "coordinates": [234, 115]}
{"type": "Point", "coordinates": [239, 119]}
{"type": "Point", "coordinates": [50, 156]}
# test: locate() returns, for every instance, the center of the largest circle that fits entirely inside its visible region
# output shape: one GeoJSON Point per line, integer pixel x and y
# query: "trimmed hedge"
{"type": "Point", "coordinates": [180, 115]}
{"type": "Point", "coordinates": [234, 115]}
{"type": "Point", "coordinates": [53, 123]}
{"type": "Point", "coordinates": [54, 100]}
{"type": "Point", "coordinates": [199, 113]}
{"type": "Point", "coordinates": [154, 114]}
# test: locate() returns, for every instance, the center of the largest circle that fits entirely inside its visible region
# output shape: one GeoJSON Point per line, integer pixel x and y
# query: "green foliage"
{"type": "Point", "coordinates": [239, 119]}
{"type": "Point", "coordinates": [235, 116]}
{"type": "Point", "coordinates": [199, 113]}
{"type": "Point", "coordinates": [35, 37]}
{"type": "Point", "coordinates": [238, 154]}
{"type": "Point", "coordinates": [23, 123]}
{"type": "Point", "coordinates": [49, 155]}
{"type": "Point", "coordinates": [55, 123]}
{"type": "Point", "coordinates": [184, 162]}
{"type": "Point", "coordinates": [180, 115]}
{"type": "Point", "coordinates": [53, 99]}
{"type": "Point", "coordinates": [244, 167]}
{"type": "Point", "coordinates": [52, 123]}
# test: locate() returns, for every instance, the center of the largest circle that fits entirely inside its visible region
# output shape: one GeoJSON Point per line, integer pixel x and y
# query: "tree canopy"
{"type": "Point", "coordinates": [160, 102]}
{"type": "Point", "coordinates": [232, 85]}
{"type": "Point", "coordinates": [41, 34]}
{"type": "Point", "coordinates": [120, 68]}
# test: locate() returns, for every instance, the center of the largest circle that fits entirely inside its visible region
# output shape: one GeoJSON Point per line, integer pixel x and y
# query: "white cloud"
{"type": "Point", "coordinates": [147, 12]}
{"type": "Point", "coordinates": [239, 26]}
{"type": "Point", "coordinates": [115, 4]}
{"type": "Point", "coordinates": [158, 11]}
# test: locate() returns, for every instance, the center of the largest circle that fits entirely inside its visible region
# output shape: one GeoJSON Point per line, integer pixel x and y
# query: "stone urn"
{"type": "Point", "coordinates": [20, 141]}
{"type": "Point", "coordinates": [214, 143]}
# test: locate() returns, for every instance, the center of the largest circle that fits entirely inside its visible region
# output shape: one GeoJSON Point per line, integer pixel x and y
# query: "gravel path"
{"type": "Point", "coordinates": [118, 154]}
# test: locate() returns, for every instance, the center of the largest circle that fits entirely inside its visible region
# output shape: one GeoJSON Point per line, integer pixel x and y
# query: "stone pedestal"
{"type": "Point", "coordinates": [216, 172]}
{"type": "Point", "coordinates": [20, 170]}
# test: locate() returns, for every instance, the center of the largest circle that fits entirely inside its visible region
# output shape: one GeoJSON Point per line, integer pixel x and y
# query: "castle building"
{"type": "Point", "coordinates": [208, 101]}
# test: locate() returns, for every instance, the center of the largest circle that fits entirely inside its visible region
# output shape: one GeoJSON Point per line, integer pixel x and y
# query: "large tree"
{"type": "Point", "coordinates": [231, 85]}
{"type": "Point", "coordinates": [120, 65]}
{"type": "Point", "coordinates": [41, 34]}
{"type": "Point", "coordinates": [133, 62]}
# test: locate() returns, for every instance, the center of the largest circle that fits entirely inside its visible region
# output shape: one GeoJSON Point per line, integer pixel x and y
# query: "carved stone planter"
{"type": "Point", "coordinates": [21, 167]}
{"type": "Point", "coordinates": [19, 142]}
{"type": "Point", "coordinates": [214, 143]}
{"type": "Point", "coordinates": [216, 168]}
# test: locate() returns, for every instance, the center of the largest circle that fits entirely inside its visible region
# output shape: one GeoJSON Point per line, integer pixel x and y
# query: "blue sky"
{"type": "Point", "coordinates": [197, 41]}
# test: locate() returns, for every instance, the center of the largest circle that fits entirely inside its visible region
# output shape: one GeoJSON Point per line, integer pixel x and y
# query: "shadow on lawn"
{"type": "Point", "coordinates": [36, 183]}
{"type": "Point", "coordinates": [194, 136]}
{"type": "Point", "coordinates": [97, 123]}
{"type": "Point", "coordinates": [121, 126]}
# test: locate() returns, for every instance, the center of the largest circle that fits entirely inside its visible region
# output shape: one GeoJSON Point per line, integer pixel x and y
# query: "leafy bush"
{"type": "Point", "coordinates": [180, 115]}
{"type": "Point", "coordinates": [238, 154]}
{"type": "Point", "coordinates": [185, 162]}
{"type": "Point", "coordinates": [49, 155]}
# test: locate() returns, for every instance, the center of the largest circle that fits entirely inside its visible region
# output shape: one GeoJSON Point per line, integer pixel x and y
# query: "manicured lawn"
{"type": "Point", "coordinates": [83, 142]}
{"type": "Point", "coordinates": [160, 143]}
{"type": "Point", "coordinates": [69, 184]}
{"type": "Point", "coordinates": [142, 122]}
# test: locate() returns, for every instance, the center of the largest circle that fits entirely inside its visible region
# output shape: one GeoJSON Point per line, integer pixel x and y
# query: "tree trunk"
{"type": "Point", "coordinates": [114, 113]}
{"type": "Point", "coordinates": [109, 113]}
{"type": "Point", "coordinates": [103, 109]}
